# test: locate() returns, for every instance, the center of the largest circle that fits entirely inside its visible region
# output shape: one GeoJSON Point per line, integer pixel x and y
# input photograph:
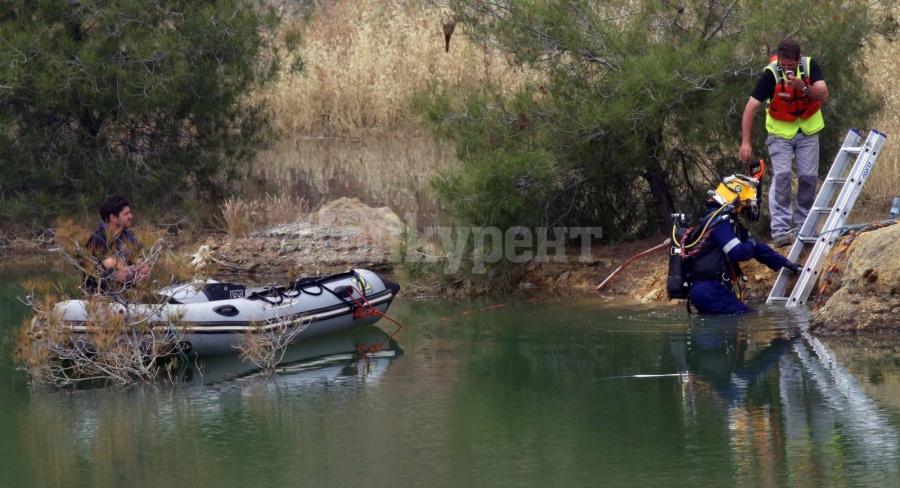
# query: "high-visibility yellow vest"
{"type": "Point", "coordinates": [787, 129]}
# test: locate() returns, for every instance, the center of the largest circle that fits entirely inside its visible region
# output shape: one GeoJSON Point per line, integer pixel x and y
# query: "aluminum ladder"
{"type": "Point", "coordinates": [836, 216]}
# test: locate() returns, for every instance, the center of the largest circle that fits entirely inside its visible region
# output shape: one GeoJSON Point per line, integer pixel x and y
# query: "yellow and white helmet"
{"type": "Point", "coordinates": [740, 191]}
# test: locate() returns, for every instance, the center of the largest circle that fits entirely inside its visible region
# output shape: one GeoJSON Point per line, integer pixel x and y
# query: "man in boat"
{"type": "Point", "coordinates": [114, 250]}
{"type": "Point", "coordinates": [712, 250]}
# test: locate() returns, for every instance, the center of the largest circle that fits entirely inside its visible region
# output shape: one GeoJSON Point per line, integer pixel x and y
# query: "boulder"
{"type": "Point", "coordinates": [345, 234]}
{"type": "Point", "coordinates": [379, 224]}
{"type": "Point", "coordinates": [866, 296]}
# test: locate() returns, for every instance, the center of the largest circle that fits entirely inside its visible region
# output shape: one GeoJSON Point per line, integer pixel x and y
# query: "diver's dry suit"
{"type": "Point", "coordinates": [715, 275]}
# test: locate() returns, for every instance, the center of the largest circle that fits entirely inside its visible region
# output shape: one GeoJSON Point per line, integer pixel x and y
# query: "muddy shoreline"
{"type": "Point", "coordinates": [305, 249]}
{"type": "Point", "coordinates": [323, 250]}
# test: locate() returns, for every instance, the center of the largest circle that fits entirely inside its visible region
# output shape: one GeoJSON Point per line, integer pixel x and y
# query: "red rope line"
{"type": "Point", "coordinates": [620, 268]}
{"type": "Point", "coordinates": [365, 309]}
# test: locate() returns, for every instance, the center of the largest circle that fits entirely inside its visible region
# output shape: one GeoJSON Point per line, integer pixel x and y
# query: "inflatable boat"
{"type": "Point", "coordinates": [213, 317]}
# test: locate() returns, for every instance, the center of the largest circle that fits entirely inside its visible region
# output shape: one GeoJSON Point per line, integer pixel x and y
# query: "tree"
{"type": "Point", "coordinates": [639, 107]}
{"type": "Point", "coordinates": [152, 99]}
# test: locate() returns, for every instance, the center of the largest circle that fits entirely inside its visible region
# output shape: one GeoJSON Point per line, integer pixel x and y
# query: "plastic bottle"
{"type": "Point", "coordinates": [895, 208]}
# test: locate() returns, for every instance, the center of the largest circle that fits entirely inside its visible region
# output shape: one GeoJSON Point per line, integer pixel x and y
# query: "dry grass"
{"type": "Point", "coordinates": [122, 344]}
{"type": "Point", "coordinates": [365, 58]}
{"type": "Point", "coordinates": [884, 182]}
{"type": "Point", "coordinates": [386, 170]}
{"type": "Point", "coordinates": [265, 347]}
{"type": "Point", "coordinates": [347, 125]}
{"type": "Point", "coordinates": [242, 217]}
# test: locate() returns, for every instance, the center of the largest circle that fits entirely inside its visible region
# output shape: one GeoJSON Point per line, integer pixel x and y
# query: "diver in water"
{"type": "Point", "coordinates": [711, 250]}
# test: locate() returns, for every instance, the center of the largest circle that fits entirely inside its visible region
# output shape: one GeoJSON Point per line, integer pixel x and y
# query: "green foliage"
{"type": "Point", "coordinates": [150, 99]}
{"type": "Point", "coordinates": [639, 109]}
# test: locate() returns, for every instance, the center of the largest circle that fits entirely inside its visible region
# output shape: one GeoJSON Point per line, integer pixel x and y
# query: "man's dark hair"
{"type": "Point", "coordinates": [789, 49]}
{"type": "Point", "coordinates": [112, 205]}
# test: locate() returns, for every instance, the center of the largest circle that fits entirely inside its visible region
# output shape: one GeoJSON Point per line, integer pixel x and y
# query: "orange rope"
{"type": "Point", "coordinates": [491, 307]}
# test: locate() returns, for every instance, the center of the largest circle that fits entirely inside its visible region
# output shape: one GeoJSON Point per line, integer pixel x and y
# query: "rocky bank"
{"type": "Point", "coordinates": [346, 234]}
{"type": "Point", "coordinates": [343, 234]}
{"type": "Point", "coordinates": [861, 298]}
{"type": "Point", "coordinates": [865, 294]}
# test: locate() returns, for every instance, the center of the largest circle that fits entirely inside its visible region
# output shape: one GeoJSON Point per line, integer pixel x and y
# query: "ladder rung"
{"type": "Point", "coordinates": [851, 184]}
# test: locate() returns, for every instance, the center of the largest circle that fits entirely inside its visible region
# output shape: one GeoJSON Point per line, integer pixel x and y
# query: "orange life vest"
{"type": "Point", "coordinates": [789, 104]}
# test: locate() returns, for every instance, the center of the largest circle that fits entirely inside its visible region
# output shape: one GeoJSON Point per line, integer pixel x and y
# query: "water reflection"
{"type": "Point", "coordinates": [795, 414]}
{"type": "Point", "coordinates": [557, 392]}
{"type": "Point", "coordinates": [328, 360]}
{"type": "Point", "coordinates": [210, 427]}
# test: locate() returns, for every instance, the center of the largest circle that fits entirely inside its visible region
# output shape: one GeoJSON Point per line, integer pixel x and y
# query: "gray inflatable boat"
{"type": "Point", "coordinates": [213, 317]}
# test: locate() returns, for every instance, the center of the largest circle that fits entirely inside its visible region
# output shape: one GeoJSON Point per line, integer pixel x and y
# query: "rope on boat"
{"type": "Point", "coordinates": [622, 267]}
{"type": "Point", "coordinates": [365, 309]}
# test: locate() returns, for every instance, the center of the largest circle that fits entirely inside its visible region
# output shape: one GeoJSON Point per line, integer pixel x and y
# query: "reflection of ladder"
{"type": "Point", "coordinates": [837, 215]}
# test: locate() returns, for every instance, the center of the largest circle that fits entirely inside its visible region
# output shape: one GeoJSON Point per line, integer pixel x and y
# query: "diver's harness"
{"type": "Point", "coordinates": [689, 244]}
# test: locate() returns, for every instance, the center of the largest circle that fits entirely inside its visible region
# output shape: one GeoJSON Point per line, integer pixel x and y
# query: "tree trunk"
{"type": "Point", "coordinates": [662, 198]}
{"type": "Point", "coordinates": [658, 179]}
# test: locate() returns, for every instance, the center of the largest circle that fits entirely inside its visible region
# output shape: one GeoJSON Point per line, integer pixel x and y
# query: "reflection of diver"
{"type": "Point", "coordinates": [721, 356]}
{"type": "Point", "coordinates": [808, 403]}
{"type": "Point", "coordinates": [703, 265]}
{"type": "Point", "coordinates": [321, 360]}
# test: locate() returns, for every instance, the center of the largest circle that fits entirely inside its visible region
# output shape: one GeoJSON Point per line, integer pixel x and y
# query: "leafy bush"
{"type": "Point", "coordinates": [152, 101]}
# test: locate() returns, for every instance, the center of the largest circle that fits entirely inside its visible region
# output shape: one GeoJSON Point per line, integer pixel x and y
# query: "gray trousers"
{"type": "Point", "coordinates": [804, 150]}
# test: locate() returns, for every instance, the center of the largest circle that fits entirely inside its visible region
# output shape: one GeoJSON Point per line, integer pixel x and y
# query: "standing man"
{"type": "Point", "coordinates": [114, 248]}
{"type": "Point", "coordinates": [793, 90]}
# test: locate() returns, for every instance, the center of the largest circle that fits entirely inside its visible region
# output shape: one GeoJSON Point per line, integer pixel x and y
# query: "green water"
{"type": "Point", "coordinates": [539, 392]}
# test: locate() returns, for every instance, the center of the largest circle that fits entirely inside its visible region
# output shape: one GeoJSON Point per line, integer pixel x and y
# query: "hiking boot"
{"type": "Point", "coordinates": [782, 240]}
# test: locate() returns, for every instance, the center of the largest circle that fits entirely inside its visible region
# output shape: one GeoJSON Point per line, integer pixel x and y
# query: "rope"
{"type": "Point", "coordinates": [365, 309]}
{"type": "Point", "coordinates": [853, 231]}
{"type": "Point", "coordinates": [620, 268]}
{"type": "Point", "coordinates": [846, 229]}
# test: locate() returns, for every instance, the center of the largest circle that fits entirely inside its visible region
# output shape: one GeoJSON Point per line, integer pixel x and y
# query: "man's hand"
{"type": "Point", "coordinates": [793, 81]}
{"type": "Point", "coordinates": [792, 266]}
{"type": "Point", "coordinates": [142, 273]}
{"type": "Point", "coordinates": [746, 152]}
{"type": "Point", "coordinates": [747, 128]}
{"type": "Point", "coordinates": [138, 273]}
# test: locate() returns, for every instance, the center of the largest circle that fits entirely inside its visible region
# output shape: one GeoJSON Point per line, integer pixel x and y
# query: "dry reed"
{"type": "Point", "coordinates": [365, 58]}
{"type": "Point", "coordinates": [265, 346]}
{"type": "Point", "coordinates": [122, 341]}
{"type": "Point", "coordinates": [884, 182]}
{"type": "Point", "coordinates": [242, 217]}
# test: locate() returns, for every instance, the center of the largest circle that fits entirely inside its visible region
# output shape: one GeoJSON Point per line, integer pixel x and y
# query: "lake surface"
{"type": "Point", "coordinates": [523, 391]}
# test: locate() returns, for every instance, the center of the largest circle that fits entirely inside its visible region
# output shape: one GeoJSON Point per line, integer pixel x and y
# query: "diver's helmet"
{"type": "Point", "coordinates": [740, 191]}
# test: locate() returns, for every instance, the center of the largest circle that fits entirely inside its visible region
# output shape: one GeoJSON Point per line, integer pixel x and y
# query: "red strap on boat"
{"type": "Point", "coordinates": [365, 309]}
